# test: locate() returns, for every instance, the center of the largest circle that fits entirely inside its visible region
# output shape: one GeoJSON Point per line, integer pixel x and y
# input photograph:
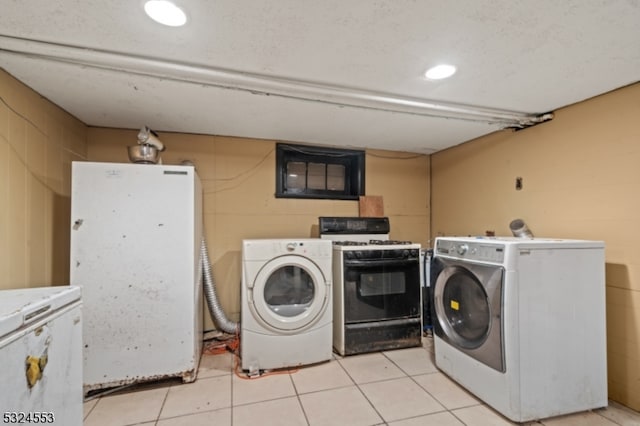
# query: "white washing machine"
{"type": "Point", "coordinates": [521, 322]}
{"type": "Point", "coordinates": [287, 314]}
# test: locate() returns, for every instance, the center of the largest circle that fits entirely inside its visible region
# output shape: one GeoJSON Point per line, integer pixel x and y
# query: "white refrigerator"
{"type": "Point", "coordinates": [136, 231]}
{"type": "Point", "coordinates": [41, 356]}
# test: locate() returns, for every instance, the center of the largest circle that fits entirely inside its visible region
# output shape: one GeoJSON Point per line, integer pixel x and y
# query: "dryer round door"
{"type": "Point", "coordinates": [468, 307]}
{"type": "Point", "coordinates": [462, 307]}
{"type": "Point", "coordinates": [289, 294]}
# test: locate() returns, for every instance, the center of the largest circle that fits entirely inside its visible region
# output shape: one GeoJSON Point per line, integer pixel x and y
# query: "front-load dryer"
{"type": "Point", "coordinates": [287, 315]}
{"type": "Point", "coordinates": [521, 322]}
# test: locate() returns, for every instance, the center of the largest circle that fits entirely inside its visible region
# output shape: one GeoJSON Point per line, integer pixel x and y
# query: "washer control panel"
{"type": "Point", "coordinates": [480, 251]}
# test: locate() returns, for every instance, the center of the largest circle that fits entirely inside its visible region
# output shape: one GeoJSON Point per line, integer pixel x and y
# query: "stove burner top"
{"type": "Point", "coordinates": [388, 242]}
{"type": "Point", "coordinates": [372, 243]}
{"type": "Point", "coordinates": [350, 243]}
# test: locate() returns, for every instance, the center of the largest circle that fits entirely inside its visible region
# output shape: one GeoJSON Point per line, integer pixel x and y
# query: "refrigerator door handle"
{"type": "Point", "coordinates": [35, 313]}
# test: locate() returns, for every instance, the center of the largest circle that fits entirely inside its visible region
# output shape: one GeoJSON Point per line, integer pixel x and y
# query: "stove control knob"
{"type": "Point", "coordinates": [462, 249]}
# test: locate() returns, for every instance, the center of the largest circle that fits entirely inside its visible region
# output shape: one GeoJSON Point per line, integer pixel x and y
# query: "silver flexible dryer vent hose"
{"type": "Point", "coordinates": [215, 310]}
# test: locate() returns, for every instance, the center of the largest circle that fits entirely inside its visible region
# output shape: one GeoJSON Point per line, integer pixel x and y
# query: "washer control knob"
{"type": "Point", "coordinates": [291, 246]}
{"type": "Point", "coordinates": [462, 249]}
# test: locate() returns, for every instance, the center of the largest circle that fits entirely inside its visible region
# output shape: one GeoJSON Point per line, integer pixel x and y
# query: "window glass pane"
{"type": "Point", "coordinates": [312, 172]}
{"type": "Point", "coordinates": [317, 176]}
{"type": "Point", "coordinates": [335, 177]}
{"type": "Point", "coordinates": [297, 175]}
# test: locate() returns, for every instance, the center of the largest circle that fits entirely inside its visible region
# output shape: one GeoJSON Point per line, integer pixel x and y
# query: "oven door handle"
{"type": "Point", "coordinates": [377, 263]}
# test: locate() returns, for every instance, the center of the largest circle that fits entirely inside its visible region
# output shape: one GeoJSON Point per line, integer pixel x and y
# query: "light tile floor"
{"type": "Point", "coordinates": [399, 388]}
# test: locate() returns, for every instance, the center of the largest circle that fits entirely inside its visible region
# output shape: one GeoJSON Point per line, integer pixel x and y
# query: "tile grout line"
{"type": "Point", "coordinates": [405, 374]}
{"type": "Point", "coordinates": [232, 373]}
{"type": "Point", "coordinates": [357, 385]}
{"type": "Point", "coordinates": [164, 401]}
{"type": "Point", "coordinates": [445, 409]}
{"type": "Point", "coordinates": [611, 420]}
{"type": "Point", "coordinates": [295, 388]}
{"type": "Point", "coordinates": [85, 417]}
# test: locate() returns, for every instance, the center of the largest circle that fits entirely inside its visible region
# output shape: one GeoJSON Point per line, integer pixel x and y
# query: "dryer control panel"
{"type": "Point", "coordinates": [470, 250]}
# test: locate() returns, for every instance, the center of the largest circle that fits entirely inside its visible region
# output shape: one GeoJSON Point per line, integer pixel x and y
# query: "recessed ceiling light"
{"type": "Point", "coordinates": [165, 12]}
{"type": "Point", "coordinates": [440, 71]}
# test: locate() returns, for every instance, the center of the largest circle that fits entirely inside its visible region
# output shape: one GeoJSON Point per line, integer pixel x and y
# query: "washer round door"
{"type": "Point", "coordinates": [468, 308]}
{"type": "Point", "coordinates": [289, 294]}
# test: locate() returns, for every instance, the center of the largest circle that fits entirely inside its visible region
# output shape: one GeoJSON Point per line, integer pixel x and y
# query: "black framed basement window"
{"type": "Point", "coordinates": [313, 172]}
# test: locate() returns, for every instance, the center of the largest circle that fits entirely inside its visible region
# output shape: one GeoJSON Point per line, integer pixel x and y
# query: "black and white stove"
{"type": "Point", "coordinates": [376, 286]}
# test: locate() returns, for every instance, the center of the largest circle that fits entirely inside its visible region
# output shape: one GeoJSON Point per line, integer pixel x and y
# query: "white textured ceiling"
{"type": "Point", "coordinates": [524, 56]}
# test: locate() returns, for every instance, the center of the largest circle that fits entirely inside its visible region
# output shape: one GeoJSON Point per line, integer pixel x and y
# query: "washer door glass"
{"type": "Point", "coordinates": [289, 293]}
{"type": "Point", "coordinates": [463, 309]}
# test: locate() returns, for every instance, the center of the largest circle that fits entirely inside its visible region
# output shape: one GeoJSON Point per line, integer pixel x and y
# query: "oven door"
{"type": "Point", "coordinates": [381, 289]}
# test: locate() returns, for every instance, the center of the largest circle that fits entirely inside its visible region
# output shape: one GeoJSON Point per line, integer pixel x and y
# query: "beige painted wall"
{"type": "Point", "coordinates": [38, 141]}
{"type": "Point", "coordinates": [238, 177]}
{"type": "Point", "coordinates": [580, 171]}
{"type": "Point", "coordinates": [581, 179]}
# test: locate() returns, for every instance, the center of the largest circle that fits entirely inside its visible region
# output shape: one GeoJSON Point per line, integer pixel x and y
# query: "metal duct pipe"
{"type": "Point", "coordinates": [215, 310]}
{"type": "Point", "coordinates": [265, 84]}
{"type": "Point", "coordinates": [520, 229]}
